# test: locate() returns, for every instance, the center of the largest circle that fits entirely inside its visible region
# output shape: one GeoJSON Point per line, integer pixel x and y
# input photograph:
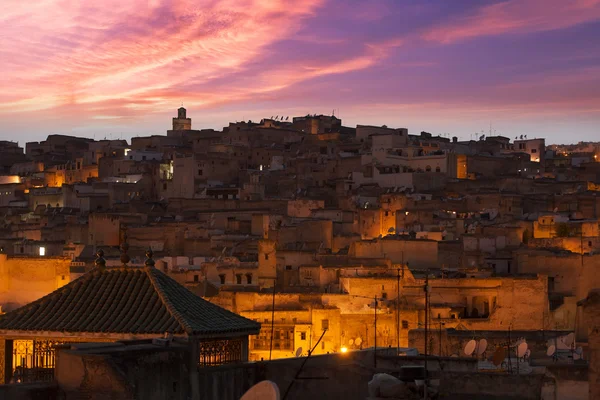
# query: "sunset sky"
{"type": "Point", "coordinates": [116, 68]}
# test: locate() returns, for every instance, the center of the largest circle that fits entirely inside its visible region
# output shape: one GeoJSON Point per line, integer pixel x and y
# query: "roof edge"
{"type": "Point", "coordinates": [150, 271]}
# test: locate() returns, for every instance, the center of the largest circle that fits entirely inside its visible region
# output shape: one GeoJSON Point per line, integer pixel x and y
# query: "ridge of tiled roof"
{"type": "Point", "coordinates": [136, 301]}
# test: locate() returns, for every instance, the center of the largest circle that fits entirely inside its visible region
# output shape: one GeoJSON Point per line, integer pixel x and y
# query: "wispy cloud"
{"type": "Point", "coordinates": [517, 16]}
{"type": "Point", "coordinates": [86, 54]}
{"type": "Point", "coordinates": [68, 64]}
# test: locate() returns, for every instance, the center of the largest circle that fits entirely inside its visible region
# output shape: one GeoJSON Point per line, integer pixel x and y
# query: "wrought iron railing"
{"type": "Point", "coordinates": [218, 352]}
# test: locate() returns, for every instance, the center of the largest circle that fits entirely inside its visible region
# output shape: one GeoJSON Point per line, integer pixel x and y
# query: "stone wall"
{"type": "Point", "coordinates": [454, 341]}
{"type": "Point", "coordinates": [124, 374]}
{"type": "Point", "coordinates": [25, 279]}
{"type": "Point", "coordinates": [29, 391]}
{"type": "Point", "coordinates": [457, 385]}
{"type": "Point", "coordinates": [591, 314]}
{"type": "Point", "coordinates": [572, 244]}
{"type": "Point", "coordinates": [161, 373]}
{"type": "Point", "coordinates": [419, 254]}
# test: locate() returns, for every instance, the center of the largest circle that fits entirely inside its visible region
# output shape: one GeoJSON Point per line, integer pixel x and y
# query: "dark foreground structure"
{"type": "Point", "coordinates": [160, 369]}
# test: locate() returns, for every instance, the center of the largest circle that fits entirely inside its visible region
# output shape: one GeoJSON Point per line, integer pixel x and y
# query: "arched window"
{"type": "Point", "coordinates": [428, 168]}
{"type": "Point", "coordinates": [438, 169]}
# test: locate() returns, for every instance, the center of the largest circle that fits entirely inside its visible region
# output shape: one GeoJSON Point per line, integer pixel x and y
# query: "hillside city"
{"type": "Point", "coordinates": [327, 239]}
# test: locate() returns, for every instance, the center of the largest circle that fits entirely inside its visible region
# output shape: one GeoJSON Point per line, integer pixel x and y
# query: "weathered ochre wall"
{"type": "Point", "coordinates": [419, 254]}
{"type": "Point", "coordinates": [25, 279]}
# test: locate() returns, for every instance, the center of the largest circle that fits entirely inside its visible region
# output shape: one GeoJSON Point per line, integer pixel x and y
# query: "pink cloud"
{"type": "Point", "coordinates": [67, 53]}
{"type": "Point", "coordinates": [517, 16]}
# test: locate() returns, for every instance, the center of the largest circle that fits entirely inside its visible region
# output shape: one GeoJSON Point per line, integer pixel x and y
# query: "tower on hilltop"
{"type": "Point", "coordinates": [181, 123]}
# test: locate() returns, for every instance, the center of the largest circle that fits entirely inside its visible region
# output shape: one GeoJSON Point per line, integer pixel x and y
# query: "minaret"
{"type": "Point", "coordinates": [182, 123]}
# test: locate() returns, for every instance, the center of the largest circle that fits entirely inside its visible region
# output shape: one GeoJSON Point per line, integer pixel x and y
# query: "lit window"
{"type": "Point", "coordinates": [42, 251]}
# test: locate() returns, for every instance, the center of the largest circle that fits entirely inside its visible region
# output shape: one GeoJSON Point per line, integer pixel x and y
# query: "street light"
{"type": "Point", "coordinates": [344, 349]}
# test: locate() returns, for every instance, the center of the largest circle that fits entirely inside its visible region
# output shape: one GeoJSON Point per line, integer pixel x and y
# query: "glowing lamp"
{"type": "Point", "coordinates": [344, 349]}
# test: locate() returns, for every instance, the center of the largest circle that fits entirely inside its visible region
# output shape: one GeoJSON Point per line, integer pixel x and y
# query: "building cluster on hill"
{"type": "Point", "coordinates": [306, 226]}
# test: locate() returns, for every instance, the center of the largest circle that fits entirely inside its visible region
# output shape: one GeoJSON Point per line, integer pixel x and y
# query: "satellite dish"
{"type": "Point", "coordinates": [481, 347]}
{"type": "Point", "coordinates": [576, 356]}
{"type": "Point", "coordinates": [358, 341]}
{"type": "Point", "coordinates": [265, 390]}
{"type": "Point", "coordinates": [551, 350]}
{"type": "Point", "coordinates": [569, 339]}
{"type": "Point", "coordinates": [470, 347]}
{"type": "Point", "coordinates": [579, 350]}
{"type": "Point", "coordinates": [521, 349]}
{"type": "Point", "coordinates": [499, 356]}
{"type": "Point", "coordinates": [299, 351]}
{"type": "Point", "coordinates": [454, 355]}
{"type": "Point", "coordinates": [561, 345]}
{"type": "Point", "coordinates": [351, 342]}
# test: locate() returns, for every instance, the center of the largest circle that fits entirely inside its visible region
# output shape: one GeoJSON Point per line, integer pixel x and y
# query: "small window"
{"type": "Point", "coordinates": [200, 172]}
{"type": "Point", "coordinates": [195, 278]}
{"type": "Point", "coordinates": [534, 150]}
{"type": "Point", "coordinates": [384, 296]}
{"type": "Point", "coordinates": [249, 279]}
{"type": "Point", "coordinates": [266, 256]}
{"type": "Point", "coordinates": [324, 324]}
{"type": "Point", "coordinates": [404, 324]}
{"type": "Point", "coordinates": [164, 186]}
{"type": "Point", "coordinates": [302, 335]}
{"type": "Point", "coordinates": [238, 279]}
{"type": "Point", "coordinates": [222, 278]}
{"type": "Point", "coordinates": [288, 267]}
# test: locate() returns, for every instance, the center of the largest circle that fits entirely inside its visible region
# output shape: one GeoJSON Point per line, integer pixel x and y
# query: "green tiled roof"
{"type": "Point", "coordinates": [126, 301]}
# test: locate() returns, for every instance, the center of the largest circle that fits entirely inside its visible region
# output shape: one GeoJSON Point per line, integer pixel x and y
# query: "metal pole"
{"type": "Point", "coordinates": [398, 314]}
{"type": "Point", "coordinates": [426, 331]}
{"type": "Point", "coordinates": [440, 321]}
{"type": "Point", "coordinates": [508, 350]}
{"type": "Point", "coordinates": [375, 335]}
{"type": "Point", "coordinates": [272, 322]}
{"type": "Point", "coordinates": [302, 366]}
